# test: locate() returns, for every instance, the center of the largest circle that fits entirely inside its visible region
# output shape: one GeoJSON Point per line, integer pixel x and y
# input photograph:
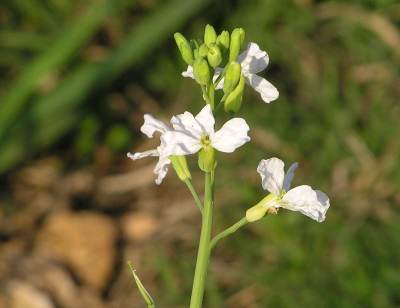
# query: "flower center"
{"type": "Point", "coordinates": [205, 141]}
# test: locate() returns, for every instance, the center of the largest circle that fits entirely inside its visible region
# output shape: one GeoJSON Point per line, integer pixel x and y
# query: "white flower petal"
{"type": "Point", "coordinates": [161, 169]}
{"type": "Point", "coordinates": [232, 135]}
{"type": "Point", "coordinates": [268, 92]}
{"type": "Point", "coordinates": [253, 60]}
{"type": "Point", "coordinates": [188, 72]}
{"type": "Point", "coordinates": [152, 125]}
{"type": "Point", "coordinates": [179, 143]}
{"type": "Point", "coordinates": [187, 123]}
{"type": "Point", "coordinates": [287, 181]}
{"type": "Point", "coordinates": [202, 124]}
{"type": "Point", "coordinates": [312, 203]}
{"type": "Point", "coordinates": [139, 155]}
{"type": "Point", "coordinates": [205, 119]}
{"type": "Point", "coordinates": [272, 174]}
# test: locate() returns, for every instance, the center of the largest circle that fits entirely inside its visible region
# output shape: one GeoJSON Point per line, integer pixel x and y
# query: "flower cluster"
{"type": "Point", "coordinates": [216, 63]}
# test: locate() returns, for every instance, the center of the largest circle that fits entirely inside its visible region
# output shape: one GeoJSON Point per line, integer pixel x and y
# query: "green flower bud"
{"type": "Point", "coordinates": [201, 71]}
{"type": "Point", "coordinates": [223, 41]}
{"type": "Point", "coordinates": [207, 161]}
{"type": "Point", "coordinates": [214, 56]}
{"type": "Point", "coordinates": [232, 77]}
{"type": "Point", "coordinates": [237, 38]}
{"type": "Point", "coordinates": [210, 36]}
{"type": "Point", "coordinates": [234, 100]}
{"type": "Point", "coordinates": [184, 48]}
{"type": "Point", "coordinates": [181, 168]}
{"type": "Point", "coordinates": [259, 210]}
{"type": "Point", "coordinates": [203, 50]}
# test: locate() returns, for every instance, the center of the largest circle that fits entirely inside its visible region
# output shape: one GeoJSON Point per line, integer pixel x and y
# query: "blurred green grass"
{"type": "Point", "coordinates": [337, 67]}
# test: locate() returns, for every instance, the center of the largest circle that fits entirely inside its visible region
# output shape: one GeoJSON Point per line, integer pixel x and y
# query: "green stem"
{"type": "Point", "coordinates": [195, 195]}
{"type": "Point", "coordinates": [228, 231]}
{"type": "Point", "coordinates": [211, 94]}
{"type": "Point", "coordinates": [205, 94]}
{"type": "Point", "coordinates": [203, 254]}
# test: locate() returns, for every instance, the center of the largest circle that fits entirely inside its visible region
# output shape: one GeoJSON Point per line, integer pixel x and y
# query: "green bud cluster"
{"type": "Point", "coordinates": [217, 52]}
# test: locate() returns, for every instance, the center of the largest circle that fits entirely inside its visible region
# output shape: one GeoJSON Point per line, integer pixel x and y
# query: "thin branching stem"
{"type": "Point", "coordinates": [228, 231]}
{"type": "Point", "coordinates": [195, 195]}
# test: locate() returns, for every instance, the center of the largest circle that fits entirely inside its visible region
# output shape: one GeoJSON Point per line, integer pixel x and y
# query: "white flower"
{"type": "Point", "coordinates": [191, 133]}
{"type": "Point", "coordinates": [150, 126]}
{"type": "Point", "coordinates": [253, 60]}
{"type": "Point", "coordinates": [312, 203]}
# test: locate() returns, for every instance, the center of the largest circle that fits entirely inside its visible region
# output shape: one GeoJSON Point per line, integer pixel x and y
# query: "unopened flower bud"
{"type": "Point", "coordinates": [232, 77]}
{"type": "Point", "coordinates": [223, 41]}
{"type": "Point", "coordinates": [259, 210]}
{"type": "Point", "coordinates": [207, 161]}
{"type": "Point", "coordinates": [184, 48]}
{"type": "Point", "coordinates": [201, 71]}
{"type": "Point", "coordinates": [237, 38]}
{"type": "Point", "coordinates": [210, 36]}
{"type": "Point", "coordinates": [203, 50]}
{"type": "Point", "coordinates": [181, 168]}
{"type": "Point", "coordinates": [214, 56]}
{"type": "Point", "coordinates": [234, 100]}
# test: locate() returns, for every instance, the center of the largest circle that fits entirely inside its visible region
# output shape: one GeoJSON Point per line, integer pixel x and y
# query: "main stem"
{"type": "Point", "coordinates": [203, 253]}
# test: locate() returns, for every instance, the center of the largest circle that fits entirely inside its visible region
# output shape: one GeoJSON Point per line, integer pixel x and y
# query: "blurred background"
{"type": "Point", "coordinates": [77, 77]}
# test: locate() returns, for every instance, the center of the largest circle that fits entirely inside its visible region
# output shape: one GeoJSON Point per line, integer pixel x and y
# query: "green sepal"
{"type": "Point", "coordinates": [259, 210]}
{"type": "Point", "coordinates": [207, 161]}
{"type": "Point", "coordinates": [179, 163]}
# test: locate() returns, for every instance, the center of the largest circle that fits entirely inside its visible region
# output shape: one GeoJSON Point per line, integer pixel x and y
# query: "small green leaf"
{"type": "Point", "coordinates": [146, 295]}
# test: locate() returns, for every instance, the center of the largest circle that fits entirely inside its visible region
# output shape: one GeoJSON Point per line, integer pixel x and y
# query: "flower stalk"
{"type": "Point", "coordinates": [194, 194]}
{"type": "Point", "coordinates": [228, 231]}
